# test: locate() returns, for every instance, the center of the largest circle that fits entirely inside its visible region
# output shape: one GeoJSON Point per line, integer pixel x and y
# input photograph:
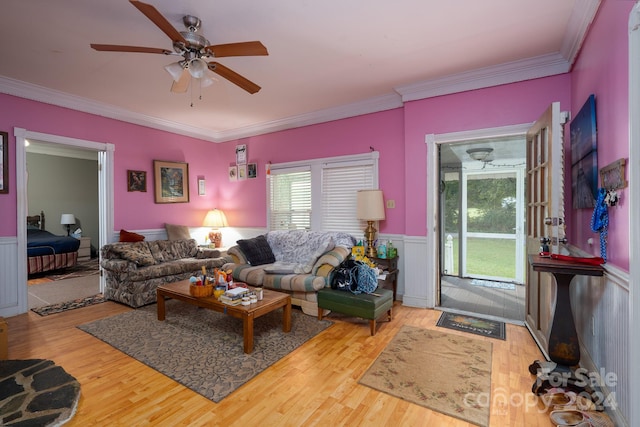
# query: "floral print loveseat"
{"type": "Point", "coordinates": [297, 262]}
{"type": "Point", "coordinates": [134, 270]}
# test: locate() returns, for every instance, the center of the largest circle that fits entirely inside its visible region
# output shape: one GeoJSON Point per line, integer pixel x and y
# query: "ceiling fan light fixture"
{"type": "Point", "coordinates": [197, 67]}
{"type": "Point", "coordinates": [175, 69]}
{"type": "Point", "coordinates": [480, 154]}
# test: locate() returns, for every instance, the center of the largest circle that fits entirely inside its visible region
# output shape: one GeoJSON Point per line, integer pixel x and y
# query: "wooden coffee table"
{"type": "Point", "coordinates": [271, 301]}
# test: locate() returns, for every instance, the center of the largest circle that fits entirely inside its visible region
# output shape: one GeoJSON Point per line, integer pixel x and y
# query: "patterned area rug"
{"type": "Point", "coordinates": [69, 305]}
{"type": "Point", "coordinates": [81, 269]}
{"type": "Point", "coordinates": [474, 325]}
{"type": "Point", "coordinates": [447, 373]}
{"type": "Point", "coordinates": [202, 349]}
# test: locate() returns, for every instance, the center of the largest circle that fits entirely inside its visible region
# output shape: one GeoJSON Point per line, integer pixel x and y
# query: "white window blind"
{"type": "Point", "coordinates": [290, 199]}
{"type": "Point", "coordinates": [320, 194]}
{"type": "Point", "coordinates": [340, 184]}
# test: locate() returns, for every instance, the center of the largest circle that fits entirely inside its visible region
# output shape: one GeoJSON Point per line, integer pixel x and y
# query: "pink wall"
{"type": "Point", "coordinates": [136, 148]}
{"type": "Point", "coordinates": [246, 201]}
{"type": "Point", "coordinates": [602, 69]}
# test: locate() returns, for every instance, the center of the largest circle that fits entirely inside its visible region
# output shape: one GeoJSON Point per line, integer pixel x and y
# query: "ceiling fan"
{"type": "Point", "coordinates": [193, 48]}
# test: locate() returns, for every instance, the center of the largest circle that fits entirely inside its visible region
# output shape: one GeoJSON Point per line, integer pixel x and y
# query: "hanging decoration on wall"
{"type": "Point", "coordinates": [600, 221]}
{"type": "Point", "coordinates": [241, 154]}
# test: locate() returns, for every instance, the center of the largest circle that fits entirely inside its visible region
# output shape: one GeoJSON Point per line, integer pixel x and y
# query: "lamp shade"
{"type": "Point", "coordinates": [67, 219]}
{"type": "Point", "coordinates": [215, 218]}
{"type": "Point", "coordinates": [370, 205]}
{"type": "Point", "coordinates": [175, 69]}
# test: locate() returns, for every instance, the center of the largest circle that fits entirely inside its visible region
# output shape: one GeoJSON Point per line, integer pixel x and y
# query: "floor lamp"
{"type": "Point", "coordinates": [370, 208]}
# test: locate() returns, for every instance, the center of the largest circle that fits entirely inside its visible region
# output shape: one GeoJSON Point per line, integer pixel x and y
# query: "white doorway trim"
{"type": "Point", "coordinates": [433, 190]}
{"type": "Point", "coordinates": [634, 206]}
{"type": "Point", "coordinates": [105, 196]}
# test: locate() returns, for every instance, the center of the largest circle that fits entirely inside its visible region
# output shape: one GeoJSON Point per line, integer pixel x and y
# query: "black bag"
{"type": "Point", "coordinates": [343, 277]}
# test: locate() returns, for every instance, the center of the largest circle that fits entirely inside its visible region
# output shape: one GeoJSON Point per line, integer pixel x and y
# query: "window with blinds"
{"type": "Point", "coordinates": [320, 194]}
{"type": "Point", "coordinates": [290, 199]}
{"type": "Point", "coordinates": [340, 184]}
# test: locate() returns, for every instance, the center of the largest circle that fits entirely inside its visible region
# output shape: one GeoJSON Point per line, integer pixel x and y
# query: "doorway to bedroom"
{"type": "Point", "coordinates": [86, 192]}
{"type": "Point", "coordinates": [73, 192]}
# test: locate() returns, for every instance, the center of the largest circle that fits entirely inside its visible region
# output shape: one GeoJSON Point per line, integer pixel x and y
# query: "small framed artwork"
{"type": "Point", "coordinates": [171, 182]}
{"type": "Point", "coordinates": [137, 181]}
{"type": "Point", "coordinates": [252, 170]}
{"type": "Point", "coordinates": [201, 190]}
{"type": "Point", "coordinates": [242, 172]}
{"type": "Point", "coordinates": [241, 154]}
{"type": "Point", "coordinates": [4, 162]}
{"type": "Point", "coordinates": [233, 173]}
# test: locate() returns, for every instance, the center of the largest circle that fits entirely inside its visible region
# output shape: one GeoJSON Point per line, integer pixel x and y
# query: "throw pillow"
{"type": "Point", "coordinates": [257, 250]}
{"type": "Point", "coordinates": [136, 252]}
{"type": "Point", "coordinates": [177, 232]}
{"type": "Point", "coordinates": [129, 236]}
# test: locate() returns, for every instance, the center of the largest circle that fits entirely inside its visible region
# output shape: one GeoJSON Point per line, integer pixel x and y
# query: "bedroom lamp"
{"type": "Point", "coordinates": [215, 218]}
{"type": "Point", "coordinates": [68, 219]}
{"type": "Point", "coordinates": [370, 207]}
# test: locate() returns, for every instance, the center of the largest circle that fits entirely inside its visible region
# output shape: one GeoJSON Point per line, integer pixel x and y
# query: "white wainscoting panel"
{"type": "Point", "coordinates": [9, 288]}
{"type": "Point", "coordinates": [601, 309]}
{"type": "Point", "coordinates": [418, 292]}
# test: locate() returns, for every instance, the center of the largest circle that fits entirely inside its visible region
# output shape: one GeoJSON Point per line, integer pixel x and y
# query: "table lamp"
{"type": "Point", "coordinates": [68, 219]}
{"type": "Point", "coordinates": [215, 218]}
{"type": "Point", "coordinates": [370, 207]}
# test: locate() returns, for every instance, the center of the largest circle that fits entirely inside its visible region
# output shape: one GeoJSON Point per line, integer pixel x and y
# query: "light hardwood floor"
{"type": "Point", "coordinates": [315, 385]}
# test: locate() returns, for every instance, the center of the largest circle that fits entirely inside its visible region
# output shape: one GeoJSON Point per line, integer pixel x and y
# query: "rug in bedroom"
{"type": "Point", "coordinates": [81, 269]}
{"type": "Point", "coordinates": [69, 305]}
{"type": "Point", "coordinates": [474, 325]}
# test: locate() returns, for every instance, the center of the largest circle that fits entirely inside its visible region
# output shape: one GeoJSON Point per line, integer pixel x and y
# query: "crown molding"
{"type": "Point", "coordinates": [577, 27]}
{"type": "Point", "coordinates": [371, 105]}
{"type": "Point", "coordinates": [510, 72]}
{"type": "Point", "coordinates": [62, 99]}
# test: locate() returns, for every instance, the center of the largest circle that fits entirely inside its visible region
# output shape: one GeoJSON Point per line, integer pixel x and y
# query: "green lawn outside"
{"type": "Point", "coordinates": [488, 257]}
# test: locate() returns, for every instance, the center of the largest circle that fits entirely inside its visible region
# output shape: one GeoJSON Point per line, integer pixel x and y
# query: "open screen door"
{"type": "Point", "coordinates": [545, 215]}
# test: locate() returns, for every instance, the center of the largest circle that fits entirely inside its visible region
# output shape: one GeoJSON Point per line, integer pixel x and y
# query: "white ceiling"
{"type": "Point", "coordinates": [327, 59]}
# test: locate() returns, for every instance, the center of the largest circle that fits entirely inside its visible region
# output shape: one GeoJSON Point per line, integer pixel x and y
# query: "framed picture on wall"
{"type": "Point", "coordinates": [136, 180]}
{"type": "Point", "coordinates": [252, 170]}
{"type": "Point", "coordinates": [171, 182]}
{"type": "Point", "coordinates": [4, 162]}
{"type": "Point", "coordinates": [242, 172]}
{"type": "Point", "coordinates": [233, 173]}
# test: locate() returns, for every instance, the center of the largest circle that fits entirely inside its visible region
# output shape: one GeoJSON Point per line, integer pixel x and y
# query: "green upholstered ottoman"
{"type": "Point", "coordinates": [366, 306]}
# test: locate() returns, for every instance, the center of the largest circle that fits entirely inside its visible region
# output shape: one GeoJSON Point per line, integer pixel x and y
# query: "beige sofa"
{"type": "Point", "coordinates": [134, 270]}
{"type": "Point", "coordinates": [298, 262]}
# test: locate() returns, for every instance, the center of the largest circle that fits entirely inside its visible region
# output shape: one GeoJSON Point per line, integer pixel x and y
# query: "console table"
{"type": "Point", "coordinates": [564, 347]}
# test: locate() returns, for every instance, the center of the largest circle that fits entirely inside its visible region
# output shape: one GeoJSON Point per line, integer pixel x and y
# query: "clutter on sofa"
{"type": "Point", "coordinates": [298, 262]}
{"type": "Point", "coordinates": [133, 270]}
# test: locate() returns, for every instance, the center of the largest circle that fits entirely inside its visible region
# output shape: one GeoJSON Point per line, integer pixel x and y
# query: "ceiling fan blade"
{"type": "Point", "coordinates": [160, 21]}
{"type": "Point", "coordinates": [136, 49]}
{"type": "Point", "coordinates": [233, 77]}
{"type": "Point", "coordinates": [181, 85]}
{"type": "Point", "coordinates": [238, 49]}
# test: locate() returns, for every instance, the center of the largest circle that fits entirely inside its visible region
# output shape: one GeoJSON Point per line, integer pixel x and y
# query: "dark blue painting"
{"type": "Point", "coordinates": [584, 156]}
